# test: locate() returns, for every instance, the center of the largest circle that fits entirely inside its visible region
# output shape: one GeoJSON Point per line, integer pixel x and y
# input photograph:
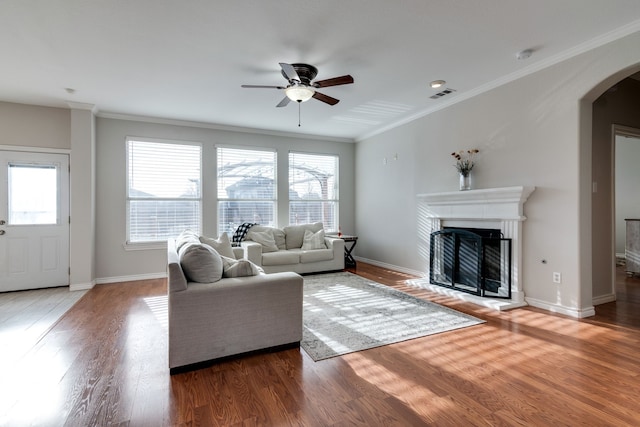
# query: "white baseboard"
{"type": "Point", "coordinates": [603, 299]}
{"type": "Point", "coordinates": [133, 278]}
{"type": "Point", "coordinates": [560, 309]}
{"type": "Point", "coordinates": [82, 286]}
{"type": "Point", "coordinates": [392, 267]}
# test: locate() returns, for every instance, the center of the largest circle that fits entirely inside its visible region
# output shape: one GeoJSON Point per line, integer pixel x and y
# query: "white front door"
{"type": "Point", "coordinates": [34, 220]}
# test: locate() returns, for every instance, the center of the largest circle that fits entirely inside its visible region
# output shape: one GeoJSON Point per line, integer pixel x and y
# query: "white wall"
{"type": "Point", "coordinates": [529, 132]}
{"type": "Point", "coordinates": [113, 262]}
{"type": "Point", "coordinates": [627, 186]}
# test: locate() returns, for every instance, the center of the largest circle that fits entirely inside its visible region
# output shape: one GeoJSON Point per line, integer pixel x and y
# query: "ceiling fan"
{"type": "Point", "coordinates": [301, 88]}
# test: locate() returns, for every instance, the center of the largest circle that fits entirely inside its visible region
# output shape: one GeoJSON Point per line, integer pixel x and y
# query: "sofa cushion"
{"type": "Point", "coordinates": [294, 234]}
{"type": "Point", "coordinates": [265, 238]}
{"type": "Point", "coordinates": [278, 234]}
{"type": "Point", "coordinates": [239, 267]}
{"type": "Point", "coordinates": [187, 236]}
{"type": "Point", "coordinates": [222, 244]}
{"type": "Point", "coordinates": [313, 240]}
{"type": "Point", "coordinates": [316, 255]}
{"type": "Point", "coordinates": [200, 263]}
{"type": "Point", "coordinates": [281, 257]}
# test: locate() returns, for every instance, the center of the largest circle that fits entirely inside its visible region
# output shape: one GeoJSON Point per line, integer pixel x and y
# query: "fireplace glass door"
{"type": "Point", "coordinates": [476, 261]}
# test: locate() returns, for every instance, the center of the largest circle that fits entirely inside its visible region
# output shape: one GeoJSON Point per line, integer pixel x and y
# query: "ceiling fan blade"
{"type": "Point", "coordinates": [284, 102]}
{"type": "Point", "coordinates": [342, 80]}
{"type": "Point", "coordinates": [290, 72]}
{"type": "Point", "coordinates": [325, 98]}
{"type": "Point", "coordinates": [262, 87]}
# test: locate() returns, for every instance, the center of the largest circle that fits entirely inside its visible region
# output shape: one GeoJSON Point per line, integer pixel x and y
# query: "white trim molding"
{"type": "Point", "coordinates": [498, 208]}
{"type": "Point", "coordinates": [82, 286]}
{"type": "Point", "coordinates": [132, 278]}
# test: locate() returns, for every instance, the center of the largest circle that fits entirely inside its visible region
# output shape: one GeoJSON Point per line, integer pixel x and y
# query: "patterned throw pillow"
{"type": "Point", "coordinates": [313, 240]}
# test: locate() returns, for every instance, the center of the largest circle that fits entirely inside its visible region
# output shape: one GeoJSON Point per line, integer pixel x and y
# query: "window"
{"type": "Point", "coordinates": [313, 189]}
{"type": "Point", "coordinates": [163, 189]}
{"type": "Point", "coordinates": [33, 194]}
{"type": "Point", "coordinates": [246, 188]}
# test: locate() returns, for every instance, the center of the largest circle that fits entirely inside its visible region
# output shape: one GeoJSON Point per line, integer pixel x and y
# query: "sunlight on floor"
{"type": "Point", "coordinates": [413, 394]}
{"type": "Point", "coordinates": [160, 308]}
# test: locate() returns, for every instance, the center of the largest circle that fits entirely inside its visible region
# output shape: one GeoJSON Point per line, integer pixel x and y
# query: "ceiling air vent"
{"type": "Point", "coordinates": [439, 95]}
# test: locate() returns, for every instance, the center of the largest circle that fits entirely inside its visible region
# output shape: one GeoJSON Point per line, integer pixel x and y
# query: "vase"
{"type": "Point", "coordinates": [465, 182]}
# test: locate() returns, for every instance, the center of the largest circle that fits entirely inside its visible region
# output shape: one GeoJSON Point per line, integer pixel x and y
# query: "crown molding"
{"type": "Point", "coordinates": [202, 125]}
{"type": "Point", "coordinates": [82, 106]}
{"type": "Point", "coordinates": [533, 68]}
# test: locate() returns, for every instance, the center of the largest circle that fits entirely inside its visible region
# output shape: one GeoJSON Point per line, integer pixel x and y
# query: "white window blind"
{"type": "Point", "coordinates": [313, 189]}
{"type": "Point", "coordinates": [163, 190]}
{"type": "Point", "coordinates": [246, 188]}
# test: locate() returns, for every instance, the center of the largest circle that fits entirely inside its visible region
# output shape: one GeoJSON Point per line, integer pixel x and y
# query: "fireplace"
{"type": "Point", "coordinates": [487, 213]}
{"type": "Point", "coordinates": [472, 260]}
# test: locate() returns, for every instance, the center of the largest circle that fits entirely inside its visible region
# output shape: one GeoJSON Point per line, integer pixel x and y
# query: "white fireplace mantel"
{"type": "Point", "coordinates": [501, 208]}
{"type": "Point", "coordinates": [489, 203]}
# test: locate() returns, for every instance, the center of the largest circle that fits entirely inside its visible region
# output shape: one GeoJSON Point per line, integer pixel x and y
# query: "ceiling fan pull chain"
{"type": "Point", "coordinates": [299, 103]}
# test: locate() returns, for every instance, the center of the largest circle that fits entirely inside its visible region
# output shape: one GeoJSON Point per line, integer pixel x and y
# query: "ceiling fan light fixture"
{"type": "Point", "coordinates": [299, 93]}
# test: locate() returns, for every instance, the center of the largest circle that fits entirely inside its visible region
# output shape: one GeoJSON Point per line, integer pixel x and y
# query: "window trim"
{"type": "Point", "coordinates": [156, 244]}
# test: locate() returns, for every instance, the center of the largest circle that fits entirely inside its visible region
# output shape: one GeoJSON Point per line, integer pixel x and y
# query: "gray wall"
{"type": "Point", "coordinates": [32, 126]}
{"type": "Point", "coordinates": [113, 261]}
{"type": "Point", "coordinates": [533, 131]}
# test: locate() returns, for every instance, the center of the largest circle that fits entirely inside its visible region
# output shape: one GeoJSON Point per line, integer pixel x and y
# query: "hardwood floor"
{"type": "Point", "coordinates": [105, 363]}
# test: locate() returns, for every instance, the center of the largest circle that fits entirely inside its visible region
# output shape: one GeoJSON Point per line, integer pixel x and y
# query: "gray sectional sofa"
{"type": "Point", "coordinates": [229, 316]}
{"type": "Point", "coordinates": [300, 248]}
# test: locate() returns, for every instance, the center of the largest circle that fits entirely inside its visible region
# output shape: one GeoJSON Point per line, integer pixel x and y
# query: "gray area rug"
{"type": "Point", "coordinates": [344, 313]}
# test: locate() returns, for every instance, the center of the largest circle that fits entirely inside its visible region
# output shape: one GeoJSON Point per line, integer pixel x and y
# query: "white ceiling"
{"type": "Point", "coordinates": [186, 60]}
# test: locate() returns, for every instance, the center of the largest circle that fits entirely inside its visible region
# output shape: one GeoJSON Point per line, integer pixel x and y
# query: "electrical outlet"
{"type": "Point", "coordinates": [557, 278]}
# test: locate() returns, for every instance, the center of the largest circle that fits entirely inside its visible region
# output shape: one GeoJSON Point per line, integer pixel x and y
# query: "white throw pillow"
{"type": "Point", "coordinates": [265, 238]}
{"type": "Point", "coordinates": [313, 240]}
{"type": "Point", "coordinates": [187, 236]}
{"type": "Point", "coordinates": [200, 263]}
{"type": "Point", "coordinates": [294, 234]}
{"type": "Point", "coordinates": [278, 234]}
{"type": "Point", "coordinates": [239, 268]}
{"type": "Point", "coordinates": [222, 245]}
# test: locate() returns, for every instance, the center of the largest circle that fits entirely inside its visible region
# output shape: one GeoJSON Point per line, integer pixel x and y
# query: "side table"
{"type": "Point", "coordinates": [349, 244]}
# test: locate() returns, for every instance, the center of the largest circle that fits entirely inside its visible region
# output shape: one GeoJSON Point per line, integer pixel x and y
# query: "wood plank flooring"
{"type": "Point", "coordinates": [105, 363]}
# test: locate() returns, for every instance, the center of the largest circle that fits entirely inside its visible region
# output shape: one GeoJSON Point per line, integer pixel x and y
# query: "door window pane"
{"type": "Point", "coordinates": [33, 194]}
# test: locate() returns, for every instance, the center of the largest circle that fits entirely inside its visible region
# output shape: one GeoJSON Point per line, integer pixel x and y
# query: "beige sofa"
{"type": "Point", "coordinates": [300, 248]}
{"type": "Point", "coordinates": [231, 316]}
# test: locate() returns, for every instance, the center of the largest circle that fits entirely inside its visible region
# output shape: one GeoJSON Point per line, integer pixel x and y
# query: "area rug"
{"type": "Point", "coordinates": [344, 313]}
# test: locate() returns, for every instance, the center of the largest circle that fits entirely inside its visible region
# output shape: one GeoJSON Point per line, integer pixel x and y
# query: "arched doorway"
{"type": "Point", "coordinates": [616, 107]}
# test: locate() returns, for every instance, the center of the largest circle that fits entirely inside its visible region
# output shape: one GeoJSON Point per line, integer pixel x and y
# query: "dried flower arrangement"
{"type": "Point", "coordinates": [464, 160]}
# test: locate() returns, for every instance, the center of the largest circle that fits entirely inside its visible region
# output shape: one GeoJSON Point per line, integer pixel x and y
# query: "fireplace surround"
{"type": "Point", "coordinates": [493, 208]}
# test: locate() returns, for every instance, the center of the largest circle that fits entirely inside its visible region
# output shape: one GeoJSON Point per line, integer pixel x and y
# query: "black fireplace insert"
{"type": "Point", "coordinates": [472, 260]}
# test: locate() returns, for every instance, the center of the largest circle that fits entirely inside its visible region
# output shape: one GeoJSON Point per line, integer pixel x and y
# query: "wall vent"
{"type": "Point", "coordinates": [439, 95]}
